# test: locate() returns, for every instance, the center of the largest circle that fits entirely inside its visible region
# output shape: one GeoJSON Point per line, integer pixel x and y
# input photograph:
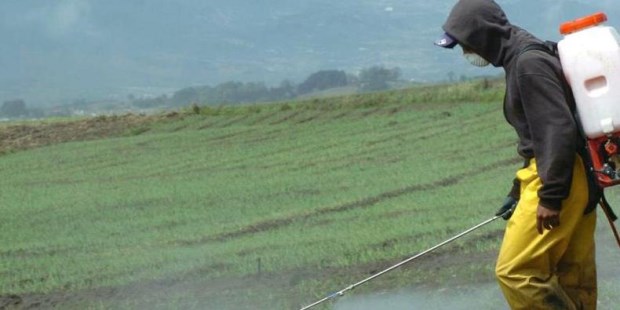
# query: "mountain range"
{"type": "Point", "coordinates": [54, 51]}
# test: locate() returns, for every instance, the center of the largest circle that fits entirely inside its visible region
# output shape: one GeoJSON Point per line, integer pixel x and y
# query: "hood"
{"type": "Point", "coordinates": [482, 26]}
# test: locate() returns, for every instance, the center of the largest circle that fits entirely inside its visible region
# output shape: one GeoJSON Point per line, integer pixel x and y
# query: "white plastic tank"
{"type": "Point", "coordinates": [590, 56]}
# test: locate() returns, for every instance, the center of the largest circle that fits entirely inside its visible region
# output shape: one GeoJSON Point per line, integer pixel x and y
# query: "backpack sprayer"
{"type": "Point", "coordinates": [590, 57]}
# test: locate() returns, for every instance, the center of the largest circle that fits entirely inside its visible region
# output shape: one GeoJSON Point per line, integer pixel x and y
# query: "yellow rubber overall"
{"type": "Point", "coordinates": [555, 270]}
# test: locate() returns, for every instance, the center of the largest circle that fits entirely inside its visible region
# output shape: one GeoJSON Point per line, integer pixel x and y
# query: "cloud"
{"type": "Point", "coordinates": [57, 18]}
{"type": "Point", "coordinates": [68, 16]}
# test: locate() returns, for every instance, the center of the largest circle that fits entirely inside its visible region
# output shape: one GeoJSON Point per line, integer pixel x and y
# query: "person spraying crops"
{"type": "Point", "coordinates": [547, 256]}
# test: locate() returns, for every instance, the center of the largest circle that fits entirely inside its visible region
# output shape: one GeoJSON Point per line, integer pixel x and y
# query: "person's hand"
{"type": "Point", "coordinates": [546, 219]}
{"type": "Point", "coordinates": [507, 208]}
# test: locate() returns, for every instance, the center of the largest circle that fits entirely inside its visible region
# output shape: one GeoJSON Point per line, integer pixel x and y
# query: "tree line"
{"type": "Point", "coordinates": [375, 78]}
{"type": "Point", "coordinates": [17, 108]}
{"type": "Point", "coordinates": [370, 79]}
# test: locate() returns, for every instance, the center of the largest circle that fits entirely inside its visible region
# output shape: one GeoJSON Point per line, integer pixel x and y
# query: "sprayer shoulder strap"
{"type": "Point", "coordinates": [548, 47]}
{"type": "Point", "coordinates": [551, 48]}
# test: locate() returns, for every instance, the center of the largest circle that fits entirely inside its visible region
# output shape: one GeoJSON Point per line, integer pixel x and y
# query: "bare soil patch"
{"type": "Point", "coordinates": [27, 136]}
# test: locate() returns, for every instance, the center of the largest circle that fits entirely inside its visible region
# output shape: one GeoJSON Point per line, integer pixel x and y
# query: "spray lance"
{"type": "Point", "coordinates": [505, 214]}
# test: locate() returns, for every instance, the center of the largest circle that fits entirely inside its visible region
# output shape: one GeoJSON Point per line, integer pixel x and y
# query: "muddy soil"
{"type": "Point", "coordinates": [196, 290]}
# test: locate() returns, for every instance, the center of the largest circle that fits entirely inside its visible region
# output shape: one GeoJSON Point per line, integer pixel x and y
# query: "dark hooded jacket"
{"type": "Point", "coordinates": [537, 103]}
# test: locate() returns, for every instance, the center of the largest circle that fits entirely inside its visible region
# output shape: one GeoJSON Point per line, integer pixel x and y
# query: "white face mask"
{"type": "Point", "coordinates": [476, 59]}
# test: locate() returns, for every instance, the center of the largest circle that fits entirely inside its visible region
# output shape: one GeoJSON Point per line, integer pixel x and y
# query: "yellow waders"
{"type": "Point", "coordinates": [555, 270]}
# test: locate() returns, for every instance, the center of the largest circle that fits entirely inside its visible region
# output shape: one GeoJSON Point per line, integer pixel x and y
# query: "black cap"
{"type": "Point", "coordinates": [446, 41]}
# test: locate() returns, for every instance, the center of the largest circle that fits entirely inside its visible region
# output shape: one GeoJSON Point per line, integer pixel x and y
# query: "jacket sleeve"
{"type": "Point", "coordinates": [552, 126]}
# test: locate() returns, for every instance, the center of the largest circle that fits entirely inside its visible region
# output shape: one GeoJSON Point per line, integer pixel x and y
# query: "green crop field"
{"type": "Point", "coordinates": [267, 206]}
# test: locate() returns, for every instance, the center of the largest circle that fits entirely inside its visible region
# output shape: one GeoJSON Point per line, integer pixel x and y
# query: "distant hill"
{"type": "Point", "coordinates": [100, 48]}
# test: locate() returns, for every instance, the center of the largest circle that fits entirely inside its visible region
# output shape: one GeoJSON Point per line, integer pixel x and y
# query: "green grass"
{"type": "Point", "coordinates": [312, 194]}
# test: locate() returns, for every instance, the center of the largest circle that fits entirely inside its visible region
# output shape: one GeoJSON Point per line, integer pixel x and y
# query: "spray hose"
{"type": "Point", "coordinates": [611, 217]}
{"type": "Point", "coordinates": [352, 286]}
